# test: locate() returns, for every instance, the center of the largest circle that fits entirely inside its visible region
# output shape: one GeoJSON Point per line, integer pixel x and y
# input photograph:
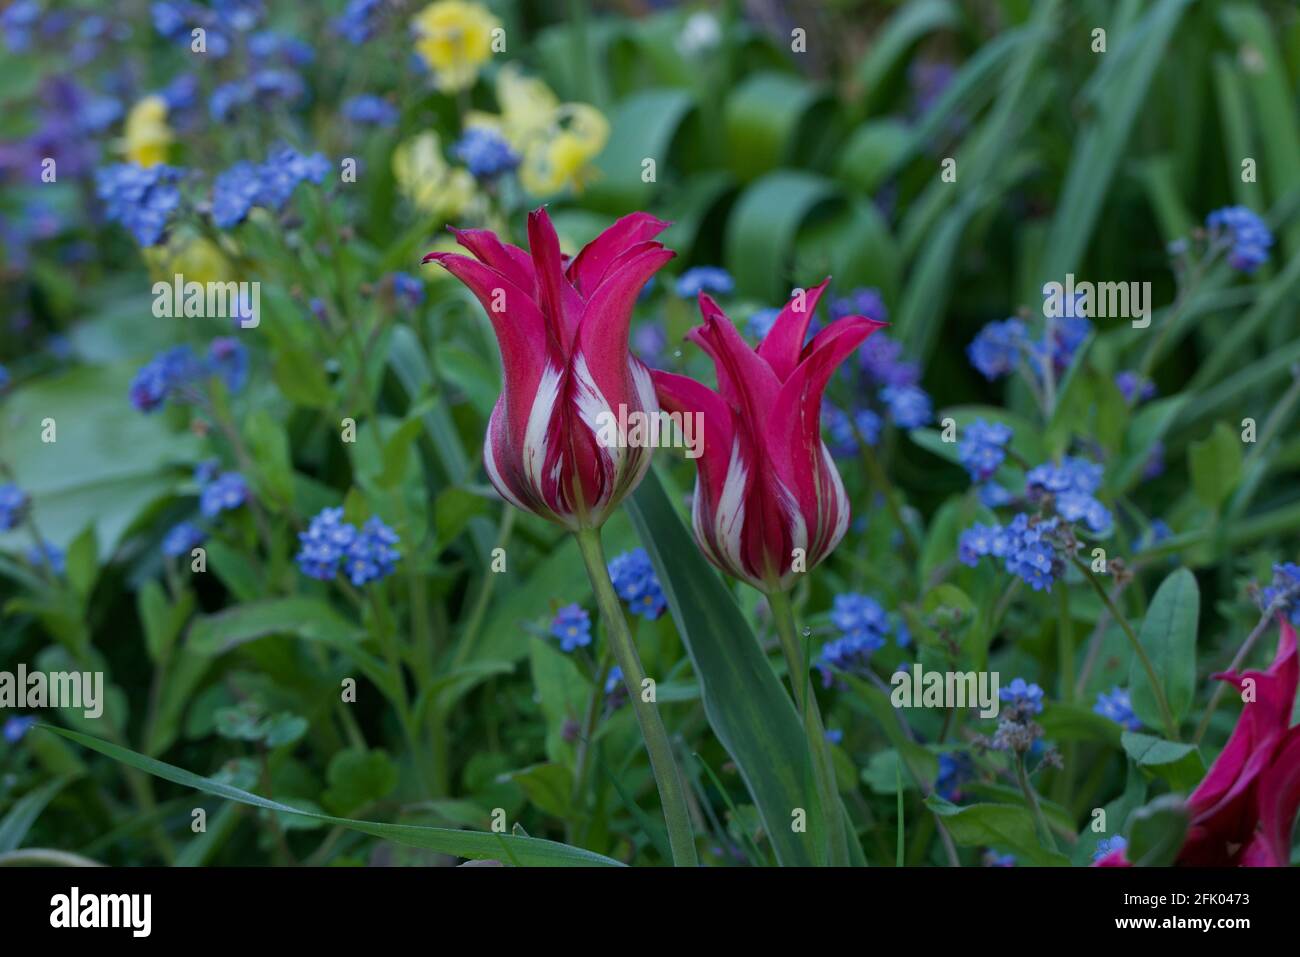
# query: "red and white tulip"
{"type": "Point", "coordinates": [562, 327]}
{"type": "Point", "coordinates": [769, 503]}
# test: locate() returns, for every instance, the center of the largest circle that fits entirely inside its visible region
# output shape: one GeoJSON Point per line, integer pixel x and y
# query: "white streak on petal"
{"type": "Point", "coordinates": [538, 427]}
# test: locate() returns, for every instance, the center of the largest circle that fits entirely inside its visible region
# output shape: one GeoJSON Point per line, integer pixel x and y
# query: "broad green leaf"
{"type": "Point", "coordinates": [508, 848]}
{"type": "Point", "coordinates": [1156, 832]}
{"type": "Point", "coordinates": [549, 787]}
{"type": "Point", "coordinates": [358, 777]}
{"type": "Point", "coordinates": [1168, 635]}
{"type": "Point", "coordinates": [747, 707]}
{"type": "Point", "coordinates": [1178, 763]}
{"type": "Point", "coordinates": [997, 825]}
{"type": "Point", "coordinates": [1215, 465]}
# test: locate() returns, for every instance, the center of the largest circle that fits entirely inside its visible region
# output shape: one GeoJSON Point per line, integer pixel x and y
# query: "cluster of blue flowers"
{"type": "Point", "coordinates": [864, 301]}
{"type": "Point", "coordinates": [1245, 234]}
{"type": "Point", "coordinates": [1073, 486]}
{"type": "Point", "coordinates": [840, 429]}
{"type": "Point", "coordinates": [47, 555]}
{"type": "Point", "coordinates": [140, 199]}
{"type": "Point", "coordinates": [225, 492]}
{"type": "Point", "coordinates": [1133, 387]}
{"type": "Point", "coordinates": [572, 626]}
{"type": "Point", "coordinates": [357, 23]}
{"type": "Point", "coordinates": [366, 109]}
{"type": "Point", "coordinates": [863, 626]}
{"type": "Point", "coordinates": [1108, 845]}
{"type": "Point", "coordinates": [262, 88]}
{"type": "Point", "coordinates": [269, 185]}
{"type": "Point", "coordinates": [955, 769]}
{"type": "Point", "coordinates": [881, 359]}
{"type": "Point", "coordinates": [711, 279]}
{"type": "Point", "coordinates": [5, 380]}
{"type": "Point", "coordinates": [983, 448]}
{"type": "Point", "coordinates": [999, 347]}
{"type": "Point", "coordinates": [16, 727]}
{"type": "Point", "coordinates": [1023, 697]}
{"type": "Point", "coordinates": [486, 154]}
{"type": "Point", "coordinates": [407, 289]}
{"type": "Point", "coordinates": [331, 545]}
{"type": "Point", "coordinates": [1286, 581]}
{"type": "Point", "coordinates": [760, 323]}
{"type": "Point", "coordinates": [909, 405]}
{"type": "Point", "coordinates": [1118, 706]}
{"type": "Point", "coordinates": [14, 503]}
{"type": "Point", "coordinates": [177, 368]}
{"type": "Point", "coordinates": [182, 539]}
{"type": "Point", "coordinates": [636, 583]}
{"type": "Point", "coordinates": [1027, 546]}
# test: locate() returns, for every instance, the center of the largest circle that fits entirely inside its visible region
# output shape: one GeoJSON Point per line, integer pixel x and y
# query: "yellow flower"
{"type": "Point", "coordinates": [455, 39]}
{"type": "Point", "coordinates": [148, 136]}
{"type": "Point", "coordinates": [428, 181]}
{"type": "Point", "coordinates": [197, 258]}
{"type": "Point", "coordinates": [557, 141]}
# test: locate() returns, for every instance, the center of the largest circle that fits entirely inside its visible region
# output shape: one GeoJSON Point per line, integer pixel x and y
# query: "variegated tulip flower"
{"type": "Point", "coordinates": [558, 442]}
{"type": "Point", "coordinates": [562, 326]}
{"type": "Point", "coordinates": [769, 503]}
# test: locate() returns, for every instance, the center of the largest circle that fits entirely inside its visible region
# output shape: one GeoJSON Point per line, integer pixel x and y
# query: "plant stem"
{"type": "Point", "coordinates": [818, 747]}
{"type": "Point", "coordinates": [1265, 620]}
{"type": "Point", "coordinates": [1064, 642]}
{"type": "Point", "coordinates": [1171, 726]}
{"type": "Point", "coordinates": [1044, 832]}
{"type": "Point", "coordinates": [880, 479]}
{"type": "Point", "coordinates": [672, 793]}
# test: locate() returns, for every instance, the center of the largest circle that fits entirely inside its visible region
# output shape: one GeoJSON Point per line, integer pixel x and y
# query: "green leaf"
{"type": "Point", "coordinates": [306, 617]}
{"type": "Point", "coordinates": [1168, 636]}
{"type": "Point", "coordinates": [1178, 763]}
{"type": "Point", "coordinates": [15, 825]}
{"type": "Point", "coordinates": [162, 620]}
{"type": "Point", "coordinates": [269, 446]}
{"type": "Point", "coordinates": [510, 848]}
{"type": "Point", "coordinates": [1121, 85]}
{"type": "Point", "coordinates": [1071, 722]}
{"type": "Point", "coordinates": [762, 230]}
{"type": "Point", "coordinates": [642, 127]}
{"type": "Point", "coordinates": [548, 786]}
{"type": "Point", "coordinates": [358, 777]}
{"type": "Point", "coordinates": [1215, 465]}
{"type": "Point", "coordinates": [82, 562]}
{"type": "Point", "coordinates": [300, 377]}
{"type": "Point", "coordinates": [748, 709]}
{"type": "Point", "coordinates": [776, 119]}
{"type": "Point", "coordinates": [108, 465]}
{"type": "Point", "coordinates": [1156, 832]}
{"type": "Point", "coordinates": [998, 825]}
{"type": "Point", "coordinates": [888, 48]}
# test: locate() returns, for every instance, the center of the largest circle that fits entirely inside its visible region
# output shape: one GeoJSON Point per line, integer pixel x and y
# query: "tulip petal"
{"type": "Point", "coordinates": [606, 320]}
{"type": "Point", "coordinates": [744, 379]}
{"type": "Point", "coordinates": [560, 301]}
{"type": "Point", "coordinates": [683, 395]}
{"type": "Point", "coordinates": [793, 430]}
{"type": "Point", "coordinates": [1222, 808]}
{"type": "Point", "coordinates": [783, 344]}
{"type": "Point", "coordinates": [511, 261]}
{"type": "Point", "coordinates": [1278, 800]}
{"type": "Point", "coordinates": [588, 268]}
{"type": "Point", "coordinates": [520, 329]}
